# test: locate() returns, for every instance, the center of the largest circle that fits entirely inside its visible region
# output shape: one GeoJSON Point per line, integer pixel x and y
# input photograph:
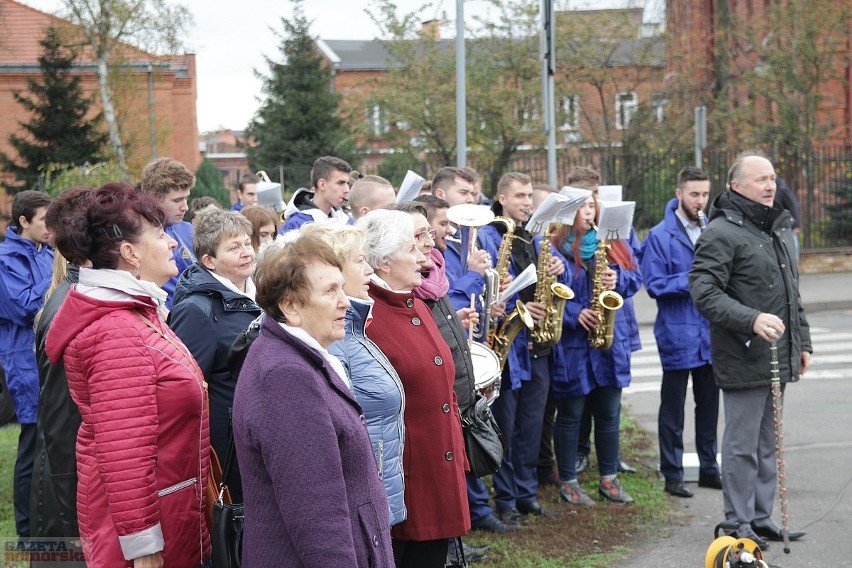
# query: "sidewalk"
{"type": "Point", "coordinates": [820, 292]}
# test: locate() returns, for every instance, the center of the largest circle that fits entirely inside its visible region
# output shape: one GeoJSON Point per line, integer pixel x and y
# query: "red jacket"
{"type": "Point", "coordinates": [143, 445]}
{"type": "Point", "coordinates": [434, 460]}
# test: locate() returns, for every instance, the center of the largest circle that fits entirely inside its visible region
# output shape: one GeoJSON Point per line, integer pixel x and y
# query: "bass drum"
{"type": "Point", "coordinates": [486, 368]}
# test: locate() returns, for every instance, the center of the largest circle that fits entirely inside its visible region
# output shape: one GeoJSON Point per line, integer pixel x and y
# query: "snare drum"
{"type": "Point", "coordinates": [487, 371]}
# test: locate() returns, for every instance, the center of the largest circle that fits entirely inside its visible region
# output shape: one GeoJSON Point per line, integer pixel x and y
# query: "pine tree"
{"type": "Point", "coordinates": [298, 122]}
{"type": "Point", "coordinates": [60, 129]}
{"type": "Point", "coordinates": [209, 182]}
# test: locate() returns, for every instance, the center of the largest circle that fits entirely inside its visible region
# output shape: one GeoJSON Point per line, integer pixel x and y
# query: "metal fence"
{"type": "Point", "coordinates": [821, 178]}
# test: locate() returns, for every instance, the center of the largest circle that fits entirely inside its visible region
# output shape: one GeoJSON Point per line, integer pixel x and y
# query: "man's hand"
{"type": "Point", "coordinates": [587, 319]}
{"type": "Point", "coordinates": [806, 362]}
{"type": "Point", "coordinates": [468, 317]}
{"type": "Point", "coordinates": [151, 561]}
{"type": "Point", "coordinates": [769, 327]}
{"type": "Point", "coordinates": [479, 261]}
{"type": "Point", "coordinates": [498, 310]}
{"type": "Point", "coordinates": [556, 267]}
{"type": "Point", "coordinates": [507, 279]}
{"type": "Point", "coordinates": [536, 310]}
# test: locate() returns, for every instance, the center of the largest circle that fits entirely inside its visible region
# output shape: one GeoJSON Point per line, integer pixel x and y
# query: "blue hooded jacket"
{"type": "Point", "coordinates": [682, 334]}
{"type": "Point", "coordinates": [25, 273]}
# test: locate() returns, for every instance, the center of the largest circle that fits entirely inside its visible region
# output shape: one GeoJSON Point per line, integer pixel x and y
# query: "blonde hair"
{"type": "Point", "coordinates": [344, 240]}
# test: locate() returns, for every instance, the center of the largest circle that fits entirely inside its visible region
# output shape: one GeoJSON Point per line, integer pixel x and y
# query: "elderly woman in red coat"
{"type": "Point", "coordinates": [434, 461]}
{"type": "Point", "coordinates": [144, 443]}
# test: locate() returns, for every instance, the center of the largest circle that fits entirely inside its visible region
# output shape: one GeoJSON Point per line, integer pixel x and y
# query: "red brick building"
{"type": "Point", "coordinates": [173, 82]}
{"type": "Point", "coordinates": [715, 45]}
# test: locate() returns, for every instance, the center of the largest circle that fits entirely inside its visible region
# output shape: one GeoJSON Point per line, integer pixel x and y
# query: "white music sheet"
{"type": "Point", "coordinates": [616, 218]}
{"type": "Point", "coordinates": [410, 187]}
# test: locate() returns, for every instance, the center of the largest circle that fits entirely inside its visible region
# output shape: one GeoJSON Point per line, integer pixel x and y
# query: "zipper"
{"type": "Point", "coordinates": [381, 458]}
{"type": "Point", "coordinates": [177, 487]}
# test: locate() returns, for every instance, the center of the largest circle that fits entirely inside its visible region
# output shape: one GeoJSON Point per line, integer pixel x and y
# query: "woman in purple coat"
{"type": "Point", "coordinates": [312, 492]}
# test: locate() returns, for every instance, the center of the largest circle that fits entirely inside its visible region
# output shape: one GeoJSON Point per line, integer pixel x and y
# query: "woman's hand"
{"type": "Point", "coordinates": [587, 319]}
{"type": "Point", "coordinates": [151, 561]}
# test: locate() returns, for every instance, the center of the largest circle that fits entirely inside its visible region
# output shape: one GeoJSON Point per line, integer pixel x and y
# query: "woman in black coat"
{"type": "Point", "coordinates": [213, 303]}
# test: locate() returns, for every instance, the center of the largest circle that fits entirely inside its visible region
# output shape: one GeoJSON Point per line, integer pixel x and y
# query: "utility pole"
{"type": "Point", "coordinates": [700, 133]}
{"type": "Point", "coordinates": [461, 92]}
{"type": "Point", "coordinates": [548, 84]}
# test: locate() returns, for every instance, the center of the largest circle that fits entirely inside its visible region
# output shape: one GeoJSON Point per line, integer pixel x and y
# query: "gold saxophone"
{"type": "Point", "coordinates": [604, 302]}
{"type": "Point", "coordinates": [551, 294]}
{"type": "Point", "coordinates": [503, 333]}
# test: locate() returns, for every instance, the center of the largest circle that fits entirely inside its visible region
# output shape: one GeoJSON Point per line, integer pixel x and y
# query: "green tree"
{"type": "Point", "coordinates": [298, 120]}
{"type": "Point", "coordinates": [60, 129]}
{"type": "Point", "coordinates": [106, 25]}
{"type": "Point", "coordinates": [209, 182]}
{"type": "Point", "coordinates": [59, 177]}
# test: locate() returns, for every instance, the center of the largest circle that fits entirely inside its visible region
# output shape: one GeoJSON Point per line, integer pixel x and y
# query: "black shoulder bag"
{"type": "Point", "coordinates": [483, 440]}
{"type": "Point", "coordinates": [226, 534]}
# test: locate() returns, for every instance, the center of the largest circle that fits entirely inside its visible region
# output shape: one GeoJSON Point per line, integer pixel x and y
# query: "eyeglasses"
{"type": "Point", "coordinates": [421, 236]}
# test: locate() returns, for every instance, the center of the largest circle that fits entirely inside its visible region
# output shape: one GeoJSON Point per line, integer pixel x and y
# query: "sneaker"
{"type": "Point", "coordinates": [611, 490]}
{"type": "Point", "coordinates": [582, 463]}
{"type": "Point", "coordinates": [571, 492]}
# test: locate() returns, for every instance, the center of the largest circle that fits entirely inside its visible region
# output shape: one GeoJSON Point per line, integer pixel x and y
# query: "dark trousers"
{"type": "Point", "coordinates": [23, 478]}
{"type": "Point", "coordinates": [419, 553]}
{"type": "Point", "coordinates": [519, 413]}
{"type": "Point", "coordinates": [671, 417]}
{"type": "Point", "coordinates": [546, 456]}
{"type": "Point", "coordinates": [584, 442]}
{"type": "Point", "coordinates": [477, 498]}
{"type": "Point", "coordinates": [605, 404]}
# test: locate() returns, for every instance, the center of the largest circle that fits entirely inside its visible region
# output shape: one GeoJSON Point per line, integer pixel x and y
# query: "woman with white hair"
{"type": "Point", "coordinates": [376, 385]}
{"type": "Point", "coordinates": [433, 458]}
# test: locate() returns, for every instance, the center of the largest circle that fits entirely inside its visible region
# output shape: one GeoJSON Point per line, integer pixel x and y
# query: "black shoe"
{"type": "Point", "coordinates": [582, 463]}
{"type": "Point", "coordinates": [491, 523]}
{"type": "Point", "coordinates": [548, 477]}
{"type": "Point", "coordinates": [474, 553]}
{"type": "Point", "coordinates": [773, 532]}
{"type": "Point", "coordinates": [511, 516]}
{"type": "Point", "coordinates": [624, 467]}
{"type": "Point", "coordinates": [677, 488]}
{"type": "Point", "coordinates": [531, 508]}
{"type": "Point", "coordinates": [748, 533]}
{"type": "Point", "coordinates": [710, 480]}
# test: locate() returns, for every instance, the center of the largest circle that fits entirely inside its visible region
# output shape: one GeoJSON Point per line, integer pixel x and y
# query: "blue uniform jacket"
{"type": "Point", "coordinates": [379, 391]}
{"type": "Point", "coordinates": [577, 368]}
{"type": "Point", "coordinates": [184, 255]}
{"type": "Point", "coordinates": [683, 335]}
{"type": "Point", "coordinates": [25, 274]}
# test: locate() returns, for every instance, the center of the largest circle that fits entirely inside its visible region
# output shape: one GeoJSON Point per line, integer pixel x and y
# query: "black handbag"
{"type": "Point", "coordinates": [483, 440]}
{"type": "Point", "coordinates": [226, 534]}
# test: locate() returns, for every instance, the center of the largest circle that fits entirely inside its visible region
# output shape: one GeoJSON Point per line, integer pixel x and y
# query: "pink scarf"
{"type": "Point", "coordinates": [435, 284]}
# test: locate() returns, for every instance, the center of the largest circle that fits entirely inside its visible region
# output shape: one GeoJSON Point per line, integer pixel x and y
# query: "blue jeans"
{"type": "Point", "coordinates": [605, 405]}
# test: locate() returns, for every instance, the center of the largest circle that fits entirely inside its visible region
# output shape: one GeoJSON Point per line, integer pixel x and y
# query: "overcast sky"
{"type": "Point", "coordinates": [231, 37]}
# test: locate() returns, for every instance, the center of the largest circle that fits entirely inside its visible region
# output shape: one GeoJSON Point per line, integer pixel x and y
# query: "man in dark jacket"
{"type": "Point", "coordinates": [744, 280]}
{"type": "Point", "coordinates": [683, 336]}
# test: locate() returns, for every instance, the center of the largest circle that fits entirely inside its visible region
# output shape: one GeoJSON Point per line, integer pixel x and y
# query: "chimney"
{"type": "Point", "coordinates": [431, 29]}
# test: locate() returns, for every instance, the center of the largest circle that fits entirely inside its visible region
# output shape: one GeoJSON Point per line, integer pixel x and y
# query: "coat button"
{"type": "Point", "coordinates": [363, 420]}
{"type": "Point", "coordinates": [783, 265]}
{"type": "Point", "coordinates": [410, 303]}
{"type": "Point", "coordinates": [375, 540]}
{"type": "Point", "coordinates": [446, 408]}
{"type": "Point", "coordinates": [439, 361]}
{"type": "Point", "coordinates": [415, 321]}
{"type": "Point", "coordinates": [449, 456]}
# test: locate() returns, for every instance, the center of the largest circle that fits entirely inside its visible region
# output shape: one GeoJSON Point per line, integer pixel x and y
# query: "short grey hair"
{"type": "Point", "coordinates": [212, 224]}
{"type": "Point", "coordinates": [387, 234]}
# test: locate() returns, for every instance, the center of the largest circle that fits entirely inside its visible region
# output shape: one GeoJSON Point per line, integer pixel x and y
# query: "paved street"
{"type": "Point", "coordinates": [818, 449]}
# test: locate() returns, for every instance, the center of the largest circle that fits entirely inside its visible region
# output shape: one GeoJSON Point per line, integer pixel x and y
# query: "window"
{"type": "Point", "coordinates": [659, 103]}
{"type": "Point", "coordinates": [377, 119]}
{"type": "Point", "coordinates": [568, 113]}
{"type": "Point", "coordinates": [626, 104]}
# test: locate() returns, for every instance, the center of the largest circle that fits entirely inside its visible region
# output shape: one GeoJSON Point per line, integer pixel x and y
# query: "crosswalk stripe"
{"type": "Point", "coordinates": [654, 386]}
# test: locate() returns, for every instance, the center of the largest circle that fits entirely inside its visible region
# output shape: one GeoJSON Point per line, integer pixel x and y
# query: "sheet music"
{"type": "Point", "coordinates": [269, 195]}
{"type": "Point", "coordinates": [527, 277]}
{"type": "Point", "coordinates": [610, 193]}
{"type": "Point", "coordinates": [410, 187]}
{"type": "Point", "coordinates": [557, 208]}
{"type": "Point", "coordinates": [616, 219]}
